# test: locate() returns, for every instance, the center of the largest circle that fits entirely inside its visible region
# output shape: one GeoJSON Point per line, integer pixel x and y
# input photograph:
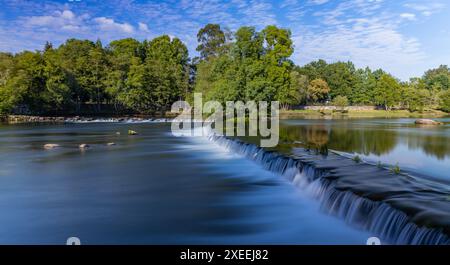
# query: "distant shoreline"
{"type": "Point", "coordinates": [15, 119]}
{"type": "Point", "coordinates": [291, 114]}
{"type": "Point", "coordinates": [284, 114]}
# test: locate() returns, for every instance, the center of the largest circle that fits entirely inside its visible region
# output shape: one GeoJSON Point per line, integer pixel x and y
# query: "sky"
{"type": "Point", "coordinates": [403, 37]}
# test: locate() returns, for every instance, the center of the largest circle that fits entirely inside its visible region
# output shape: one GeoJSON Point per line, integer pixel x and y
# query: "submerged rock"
{"type": "Point", "coordinates": [50, 146]}
{"type": "Point", "coordinates": [427, 122]}
{"type": "Point", "coordinates": [131, 132]}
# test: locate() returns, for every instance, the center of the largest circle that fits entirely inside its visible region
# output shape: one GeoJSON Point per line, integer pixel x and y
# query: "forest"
{"type": "Point", "coordinates": [132, 76]}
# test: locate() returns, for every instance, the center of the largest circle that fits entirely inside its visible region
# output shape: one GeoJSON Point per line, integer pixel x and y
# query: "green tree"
{"type": "Point", "coordinates": [340, 77]}
{"type": "Point", "coordinates": [212, 39]}
{"type": "Point", "coordinates": [387, 91]}
{"type": "Point", "coordinates": [438, 78]}
{"type": "Point", "coordinates": [445, 101]}
{"type": "Point", "coordinates": [121, 54]}
{"type": "Point", "coordinates": [58, 82]}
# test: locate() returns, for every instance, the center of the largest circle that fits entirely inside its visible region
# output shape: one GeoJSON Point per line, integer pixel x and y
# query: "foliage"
{"type": "Point", "coordinates": [386, 92]}
{"type": "Point", "coordinates": [340, 102]}
{"type": "Point", "coordinates": [317, 90]}
{"type": "Point", "coordinates": [445, 101]}
{"type": "Point", "coordinates": [248, 64]}
{"type": "Point", "coordinates": [396, 169]}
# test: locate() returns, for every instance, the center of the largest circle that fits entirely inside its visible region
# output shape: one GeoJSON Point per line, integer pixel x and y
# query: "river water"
{"type": "Point", "coordinates": [154, 188]}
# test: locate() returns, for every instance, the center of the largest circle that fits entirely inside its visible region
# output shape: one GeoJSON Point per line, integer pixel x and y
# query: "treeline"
{"type": "Point", "coordinates": [342, 83]}
{"type": "Point", "coordinates": [148, 76]}
{"type": "Point", "coordinates": [128, 74]}
{"type": "Point", "coordinates": [252, 65]}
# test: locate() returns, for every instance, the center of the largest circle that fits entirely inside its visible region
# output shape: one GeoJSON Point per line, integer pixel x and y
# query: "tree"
{"type": "Point", "coordinates": [74, 56]}
{"type": "Point", "coordinates": [438, 78]}
{"type": "Point", "coordinates": [211, 39]}
{"type": "Point", "coordinates": [299, 87]}
{"type": "Point", "coordinates": [340, 77]}
{"type": "Point", "coordinates": [58, 82]}
{"type": "Point", "coordinates": [445, 101]}
{"type": "Point", "coordinates": [387, 91]}
{"type": "Point", "coordinates": [27, 82]}
{"type": "Point", "coordinates": [365, 83]}
{"type": "Point", "coordinates": [249, 43]}
{"type": "Point", "coordinates": [314, 70]}
{"type": "Point", "coordinates": [318, 89]}
{"type": "Point", "coordinates": [121, 55]}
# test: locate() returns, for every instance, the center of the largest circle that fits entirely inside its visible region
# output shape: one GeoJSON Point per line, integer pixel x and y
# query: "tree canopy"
{"type": "Point", "coordinates": [134, 76]}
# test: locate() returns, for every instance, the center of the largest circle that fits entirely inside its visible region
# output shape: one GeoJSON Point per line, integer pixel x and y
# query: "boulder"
{"type": "Point", "coordinates": [427, 122]}
{"type": "Point", "coordinates": [50, 146]}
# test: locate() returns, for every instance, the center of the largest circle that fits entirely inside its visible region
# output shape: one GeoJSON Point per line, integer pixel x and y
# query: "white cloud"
{"type": "Point", "coordinates": [108, 24]}
{"type": "Point", "coordinates": [318, 2]}
{"type": "Point", "coordinates": [143, 27]}
{"type": "Point", "coordinates": [408, 16]}
{"type": "Point", "coordinates": [356, 30]}
{"type": "Point", "coordinates": [65, 20]}
{"type": "Point", "coordinates": [426, 9]}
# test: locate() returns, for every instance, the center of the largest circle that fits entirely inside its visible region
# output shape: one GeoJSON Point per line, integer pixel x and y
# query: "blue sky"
{"type": "Point", "coordinates": [403, 37]}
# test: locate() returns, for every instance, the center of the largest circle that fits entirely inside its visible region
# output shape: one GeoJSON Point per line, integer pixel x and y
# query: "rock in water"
{"type": "Point", "coordinates": [110, 144]}
{"type": "Point", "coordinates": [427, 122]}
{"type": "Point", "coordinates": [131, 132]}
{"type": "Point", "coordinates": [84, 146]}
{"type": "Point", "coordinates": [50, 146]}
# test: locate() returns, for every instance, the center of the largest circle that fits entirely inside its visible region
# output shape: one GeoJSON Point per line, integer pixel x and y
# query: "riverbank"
{"type": "Point", "coordinates": [328, 114]}
{"type": "Point", "coordinates": [14, 119]}
{"type": "Point", "coordinates": [284, 114]}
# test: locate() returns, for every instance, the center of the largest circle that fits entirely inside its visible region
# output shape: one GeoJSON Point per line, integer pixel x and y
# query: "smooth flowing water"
{"type": "Point", "coordinates": [155, 188]}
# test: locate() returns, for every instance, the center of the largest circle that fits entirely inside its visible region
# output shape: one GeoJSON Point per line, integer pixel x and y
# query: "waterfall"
{"type": "Point", "coordinates": [391, 225]}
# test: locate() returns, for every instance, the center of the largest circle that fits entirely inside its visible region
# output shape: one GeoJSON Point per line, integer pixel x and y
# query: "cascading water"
{"type": "Point", "coordinates": [390, 224]}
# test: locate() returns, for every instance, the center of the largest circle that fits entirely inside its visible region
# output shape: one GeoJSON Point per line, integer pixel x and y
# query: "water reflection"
{"type": "Point", "coordinates": [385, 140]}
{"type": "Point", "coordinates": [365, 138]}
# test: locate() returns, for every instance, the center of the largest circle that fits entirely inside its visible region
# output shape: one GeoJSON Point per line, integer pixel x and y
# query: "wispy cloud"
{"type": "Point", "coordinates": [360, 31]}
{"type": "Point", "coordinates": [368, 32]}
{"type": "Point", "coordinates": [427, 9]}
{"type": "Point", "coordinates": [108, 24]}
{"type": "Point", "coordinates": [408, 16]}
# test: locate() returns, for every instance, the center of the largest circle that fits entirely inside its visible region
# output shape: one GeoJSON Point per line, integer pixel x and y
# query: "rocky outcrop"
{"type": "Point", "coordinates": [33, 119]}
{"type": "Point", "coordinates": [50, 146]}
{"type": "Point", "coordinates": [427, 122]}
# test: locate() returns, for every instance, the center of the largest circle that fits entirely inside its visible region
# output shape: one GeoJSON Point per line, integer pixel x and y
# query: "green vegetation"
{"type": "Point", "coordinates": [144, 77]}
{"type": "Point", "coordinates": [363, 114]}
{"type": "Point", "coordinates": [130, 75]}
{"type": "Point", "coordinates": [357, 159]}
{"type": "Point", "coordinates": [341, 102]}
{"type": "Point", "coordinates": [396, 169]}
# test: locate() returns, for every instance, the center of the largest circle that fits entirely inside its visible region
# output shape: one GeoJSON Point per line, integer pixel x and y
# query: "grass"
{"type": "Point", "coordinates": [396, 169]}
{"type": "Point", "coordinates": [286, 114]}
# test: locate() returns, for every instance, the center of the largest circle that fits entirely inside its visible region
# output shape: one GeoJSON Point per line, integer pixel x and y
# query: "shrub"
{"type": "Point", "coordinates": [341, 102]}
